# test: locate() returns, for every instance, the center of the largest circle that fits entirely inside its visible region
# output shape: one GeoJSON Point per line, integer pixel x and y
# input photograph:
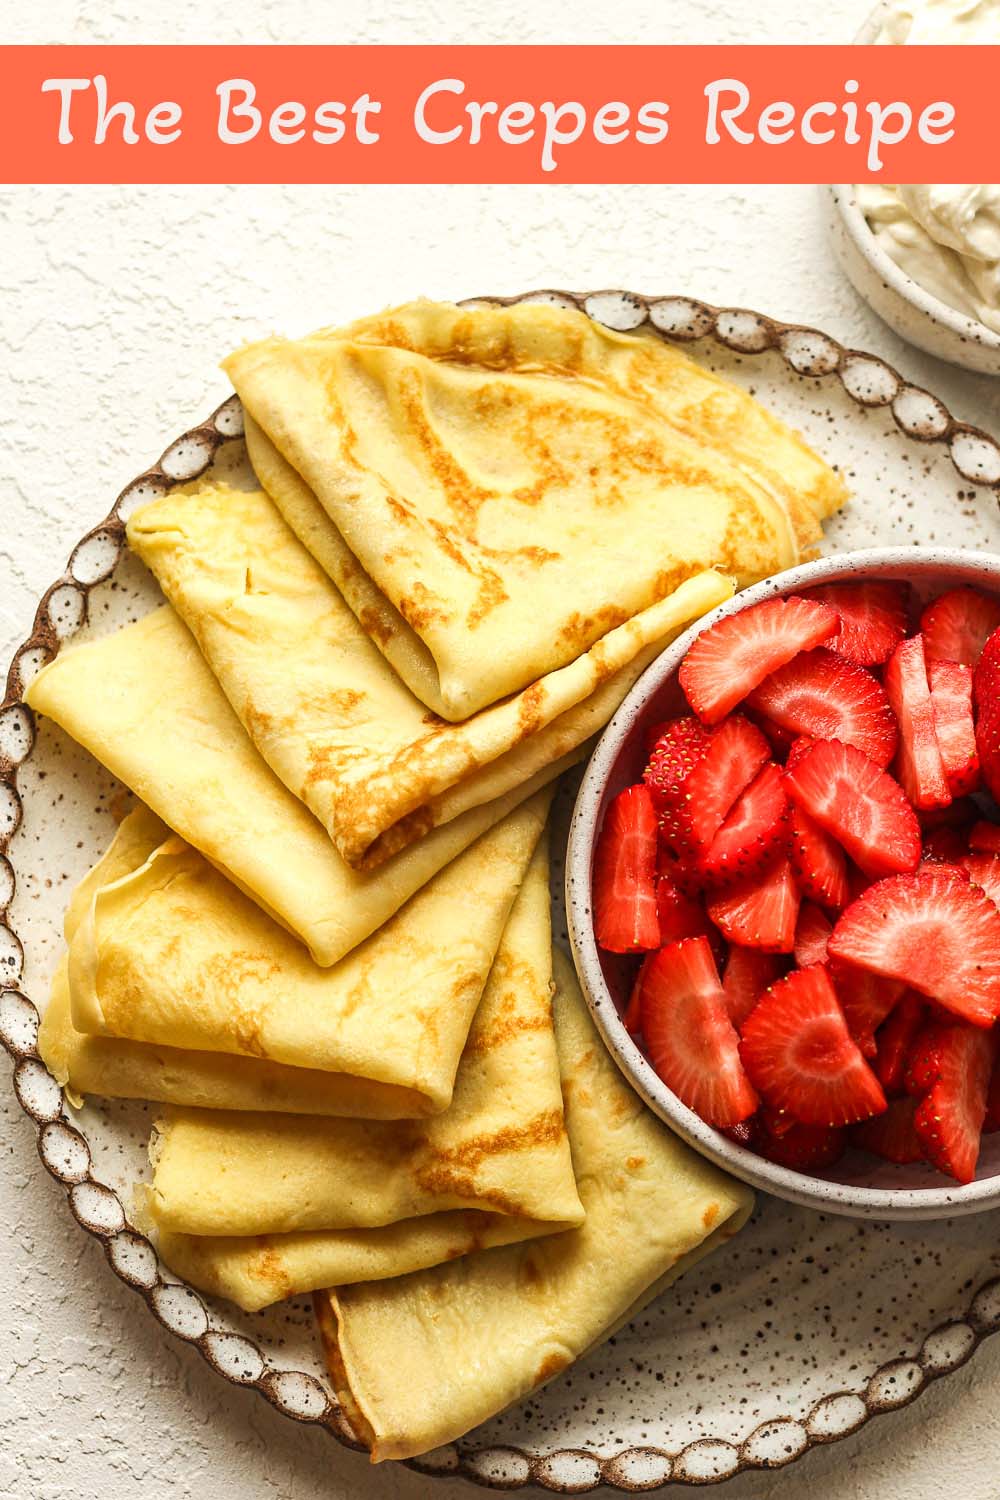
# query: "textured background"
{"type": "Point", "coordinates": [117, 304]}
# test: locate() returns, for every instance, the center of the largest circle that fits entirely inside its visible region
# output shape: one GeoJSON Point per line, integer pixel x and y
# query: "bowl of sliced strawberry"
{"type": "Point", "coordinates": [783, 884]}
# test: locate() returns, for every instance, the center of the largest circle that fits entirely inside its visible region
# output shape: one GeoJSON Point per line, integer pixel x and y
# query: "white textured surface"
{"type": "Point", "coordinates": [117, 304]}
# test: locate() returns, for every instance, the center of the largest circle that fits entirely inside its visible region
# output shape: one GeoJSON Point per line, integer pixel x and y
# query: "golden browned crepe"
{"type": "Point", "coordinates": [420, 1360]}
{"type": "Point", "coordinates": [511, 484]}
{"type": "Point", "coordinates": [146, 705]}
{"type": "Point", "coordinates": [323, 705]}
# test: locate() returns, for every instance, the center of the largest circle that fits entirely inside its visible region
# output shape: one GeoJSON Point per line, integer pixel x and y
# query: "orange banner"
{"type": "Point", "coordinates": [526, 114]}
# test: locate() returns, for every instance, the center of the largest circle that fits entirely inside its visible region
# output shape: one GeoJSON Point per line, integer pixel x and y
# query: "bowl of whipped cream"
{"type": "Point", "coordinates": [927, 257]}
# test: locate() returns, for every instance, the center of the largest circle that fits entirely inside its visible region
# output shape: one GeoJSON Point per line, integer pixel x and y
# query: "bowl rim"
{"type": "Point", "coordinates": [827, 1196]}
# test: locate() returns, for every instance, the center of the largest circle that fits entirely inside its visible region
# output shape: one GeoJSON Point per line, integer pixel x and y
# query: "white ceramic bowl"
{"type": "Point", "coordinates": [859, 1185]}
{"type": "Point", "coordinates": [908, 308]}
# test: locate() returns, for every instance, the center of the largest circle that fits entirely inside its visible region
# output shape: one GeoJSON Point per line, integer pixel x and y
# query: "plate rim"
{"type": "Point", "coordinates": [870, 382]}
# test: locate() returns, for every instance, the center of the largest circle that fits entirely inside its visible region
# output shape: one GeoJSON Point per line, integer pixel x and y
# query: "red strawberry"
{"type": "Point", "coordinates": [866, 999]}
{"type": "Point", "coordinates": [984, 872]}
{"type": "Point", "coordinates": [857, 882]}
{"type": "Point", "coordinates": [822, 695]}
{"type": "Point", "coordinates": [984, 838]}
{"type": "Point", "coordinates": [892, 1135]}
{"type": "Point", "coordinates": [760, 911]}
{"type": "Point", "coordinates": [932, 930]}
{"type": "Point", "coordinates": [801, 1147]}
{"type": "Point", "coordinates": [751, 833]}
{"type": "Point", "coordinates": [734, 754]}
{"type": "Point", "coordinates": [800, 1056]}
{"type": "Point", "coordinates": [680, 915]}
{"type": "Point", "coordinates": [951, 695]}
{"type": "Point", "coordinates": [625, 919]}
{"type": "Point", "coordinates": [956, 625]}
{"type": "Point", "coordinates": [812, 933]}
{"type": "Point", "coordinates": [689, 1036]}
{"type": "Point", "coordinates": [949, 1118]}
{"type": "Point", "coordinates": [857, 804]}
{"type": "Point", "coordinates": [731, 657]}
{"type": "Point", "coordinates": [992, 1120]}
{"type": "Point", "coordinates": [679, 747]}
{"type": "Point", "coordinates": [944, 845]}
{"type": "Point", "coordinates": [873, 618]}
{"type": "Point", "coordinates": [780, 740]}
{"type": "Point", "coordinates": [986, 702]}
{"type": "Point", "coordinates": [895, 1041]}
{"type": "Point", "coordinates": [741, 1133]}
{"type": "Point", "coordinates": [819, 862]}
{"type": "Point", "coordinates": [747, 975]}
{"type": "Point", "coordinates": [919, 767]}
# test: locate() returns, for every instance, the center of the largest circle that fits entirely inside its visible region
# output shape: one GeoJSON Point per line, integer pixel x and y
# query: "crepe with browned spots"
{"type": "Point", "coordinates": [507, 485]}
{"type": "Point", "coordinates": [420, 1360]}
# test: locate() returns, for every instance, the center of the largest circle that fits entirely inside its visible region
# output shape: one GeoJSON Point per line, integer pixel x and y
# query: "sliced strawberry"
{"type": "Point", "coordinates": [689, 1036]}
{"type": "Point", "coordinates": [625, 919]}
{"type": "Point", "coordinates": [949, 1118]}
{"type": "Point", "coordinates": [984, 838]}
{"type": "Point", "coordinates": [895, 1040]}
{"type": "Point", "coordinates": [873, 618]}
{"type": "Point", "coordinates": [984, 872]}
{"type": "Point", "coordinates": [812, 933]}
{"type": "Point", "coordinates": [857, 804]}
{"type": "Point", "coordinates": [932, 930]}
{"type": "Point", "coordinates": [752, 832]}
{"type": "Point", "coordinates": [760, 911]}
{"type": "Point", "coordinates": [747, 975]}
{"type": "Point", "coordinates": [992, 1120]}
{"type": "Point", "coordinates": [866, 999]}
{"type": "Point", "coordinates": [741, 1133]}
{"type": "Point", "coordinates": [801, 1147]}
{"type": "Point", "coordinates": [957, 625]}
{"type": "Point", "coordinates": [735, 752]}
{"type": "Point", "coordinates": [822, 695]}
{"type": "Point", "coordinates": [951, 695]}
{"type": "Point", "coordinates": [800, 1056]}
{"type": "Point", "coordinates": [944, 845]}
{"type": "Point", "coordinates": [892, 1135]}
{"type": "Point", "coordinates": [800, 744]}
{"type": "Point", "coordinates": [679, 747]}
{"type": "Point", "coordinates": [919, 767]}
{"type": "Point", "coordinates": [680, 915]}
{"type": "Point", "coordinates": [819, 862]}
{"type": "Point", "coordinates": [986, 703]}
{"type": "Point", "coordinates": [731, 657]}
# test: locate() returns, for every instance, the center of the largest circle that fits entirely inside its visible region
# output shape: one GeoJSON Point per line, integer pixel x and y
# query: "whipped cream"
{"type": "Point", "coordinates": [945, 236]}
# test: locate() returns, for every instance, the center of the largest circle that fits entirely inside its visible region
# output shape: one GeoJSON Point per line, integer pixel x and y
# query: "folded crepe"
{"type": "Point", "coordinates": [509, 484]}
{"type": "Point", "coordinates": [419, 1360]}
{"type": "Point", "coordinates": [495, 1168]}
{"type": "Point", "coordinates": [167, 952]}
{"type": "Point", "coordinates": [324, 707]}
{"type": "Point", "coordinates": [146, 705]}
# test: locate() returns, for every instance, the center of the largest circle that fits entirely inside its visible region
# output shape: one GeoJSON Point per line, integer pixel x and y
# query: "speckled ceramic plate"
{"type": "Point", "coordinates": [804, 1327]}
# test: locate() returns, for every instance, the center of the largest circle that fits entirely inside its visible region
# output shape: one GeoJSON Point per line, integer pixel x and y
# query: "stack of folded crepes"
{"type": "Point", "coordinates": [322, 938]}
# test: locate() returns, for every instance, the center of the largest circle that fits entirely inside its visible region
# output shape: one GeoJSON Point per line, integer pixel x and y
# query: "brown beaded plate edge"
{"type": "Point", "coordinates": [64, 1151]}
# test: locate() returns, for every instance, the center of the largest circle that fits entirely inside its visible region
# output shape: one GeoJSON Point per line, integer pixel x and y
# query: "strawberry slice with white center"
{"type": "Point", "coordinates": [919, 767]}
{"type": "Point", "coordinates": [957, 625]}
{"type": "Point", "coordinates": [731, 657]}
{"type": "Point", "coordinates": [866, 999]}
{"type": "Point", "coordinates": [951, 696]}
{"type": "Point", "coordinates": [799, 1054]}
{"type": "Point", "coordinates": [857, 804]}
{"type": "Point", "coordinates": [735, 752]}
{"type": "Point", "coordinates": [822, 695]}
{"type": "Point", "coordinates": [955, 1070]}
{"type": "Point", "coordinates": [748, 973]}
{"type": "Point", "coordinates": [624, 892]}
{"type": "Point", "coordinates": [760, 911]}
{"type": "Point", "coordinates": [752, 832]}
{"type": "Point", "coordinates": [689, 1036]}
{"type": "Point", "coordinates": [984, 871]}
{"type": "Point", "coordinates": [812, 933]}
{"type": "Point", "coordinates": [895, 1040]}
{"type": "Point", "coordinates": [984, 838]}
{"type": "Point", "coordinates": [934, 931]}
{"type": "Point", "coordinates": [873, 618]}
{"type": "Point", "coordinates": [893, 1135]}
{"type": "Point", "coordinates": [819, 862]}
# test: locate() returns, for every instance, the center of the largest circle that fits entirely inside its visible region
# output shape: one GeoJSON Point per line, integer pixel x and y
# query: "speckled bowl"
{"type": "Point", "coordinates": [908, 308]}
{"type": "Point", "coordinates": [860, 1185]}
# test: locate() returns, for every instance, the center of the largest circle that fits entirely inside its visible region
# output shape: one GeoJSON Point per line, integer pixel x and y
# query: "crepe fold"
{"type": "Point", "coordinates": [383, 1198]}
{"type": "Point", "coordinates": [324, 707]}
{"type": "Point", "coordinates": [510, 484]}
{"type": "Point", "coordinates": [419, 1360]}
{"type": "Point", "coordinates": [144, 702]}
